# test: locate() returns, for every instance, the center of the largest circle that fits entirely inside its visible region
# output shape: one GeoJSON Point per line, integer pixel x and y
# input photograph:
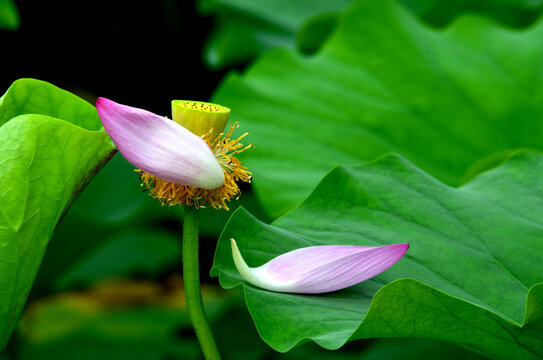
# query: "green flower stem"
{"type": "Point", "coordinates": [191, 278]}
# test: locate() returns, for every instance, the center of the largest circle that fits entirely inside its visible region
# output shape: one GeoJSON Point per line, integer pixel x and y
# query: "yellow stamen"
{"type": "Point", "coordinates": [224, 148]}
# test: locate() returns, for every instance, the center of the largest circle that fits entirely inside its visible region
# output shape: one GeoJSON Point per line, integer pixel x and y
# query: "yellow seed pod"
{"type": "Point", "coordinates": [200, 117]}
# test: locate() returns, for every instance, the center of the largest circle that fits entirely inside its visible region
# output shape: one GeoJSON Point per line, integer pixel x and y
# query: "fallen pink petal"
{"type": "Point", "coordinates": [160, 146]}
{"type": "Point", "coordinates": [320, 269]}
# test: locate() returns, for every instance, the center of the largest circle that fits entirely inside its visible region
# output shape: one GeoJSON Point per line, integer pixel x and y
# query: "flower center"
{"type": "Point", "coordinates": [225, 149]}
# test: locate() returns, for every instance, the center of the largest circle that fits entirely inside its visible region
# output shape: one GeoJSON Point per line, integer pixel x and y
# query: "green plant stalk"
{"type": "Point", "coordinates": [191, 279]}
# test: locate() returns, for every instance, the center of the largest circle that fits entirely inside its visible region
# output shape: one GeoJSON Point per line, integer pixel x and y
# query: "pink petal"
{"type": "Point", "coordinates": [160, 146]}
{"type": "Point", "coordinates": [320, 269]}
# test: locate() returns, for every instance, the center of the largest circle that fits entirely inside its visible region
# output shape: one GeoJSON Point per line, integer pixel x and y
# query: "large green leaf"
{"type": "Point", "coordinates": [49, 149]}
{"type": "Point", "coordinates": [245, 29]}
{"type": "Point", "coordinates": [30, 96]}
{"type": "Point", "coordinates": [472, 276]}
{"type": "Point", "coordinates": [443, 99]}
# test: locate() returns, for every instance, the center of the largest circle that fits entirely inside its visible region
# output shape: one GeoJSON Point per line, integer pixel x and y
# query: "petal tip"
{"type": "Point", "coordinates": [103, 106]}
{"type": "Point", "coordinates": [398, 251]}
{"type": "Point", "coordinates": [102, 101]}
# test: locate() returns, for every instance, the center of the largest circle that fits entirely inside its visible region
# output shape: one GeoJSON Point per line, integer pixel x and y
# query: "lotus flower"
{"type": "Point", "coordinates": [178, 166]}
{"type": "Point", "coordinates": [320, 269]}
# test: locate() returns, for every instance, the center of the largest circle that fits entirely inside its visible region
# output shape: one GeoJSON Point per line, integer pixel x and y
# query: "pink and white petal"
{"type": "Point", "coordinates": [160, 146]}
{"type": "Point", "coordinates": [320, 269]}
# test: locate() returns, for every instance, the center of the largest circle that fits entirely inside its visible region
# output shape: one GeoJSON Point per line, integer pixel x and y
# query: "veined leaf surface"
{"type": "Point", "coordinates": [384, 83]}
{"type": "Point", "coordinates": [473, 274]}
{"type": "Point", "coordinates": [50, 147]}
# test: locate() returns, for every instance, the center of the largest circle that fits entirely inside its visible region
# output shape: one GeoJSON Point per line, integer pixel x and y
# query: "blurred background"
{"type": "Point", "coordinates": [110, 285]}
